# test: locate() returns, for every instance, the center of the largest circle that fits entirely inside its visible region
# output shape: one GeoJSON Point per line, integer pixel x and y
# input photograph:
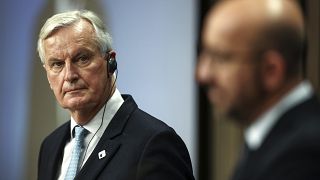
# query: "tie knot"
{"type": "Point", "coordinates": [80, 132]}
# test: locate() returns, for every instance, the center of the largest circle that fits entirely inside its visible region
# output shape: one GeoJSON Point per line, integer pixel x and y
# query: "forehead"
{"type": "Point", "coordinates": [229, 28]}
{"type": "Point", "coordinates": [78, 35]}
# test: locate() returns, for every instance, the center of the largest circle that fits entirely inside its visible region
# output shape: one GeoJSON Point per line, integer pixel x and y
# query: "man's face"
{"type": "Point", "coordinates": [228, 68]}
{"type": "Point", "coordinates": [76, 69]}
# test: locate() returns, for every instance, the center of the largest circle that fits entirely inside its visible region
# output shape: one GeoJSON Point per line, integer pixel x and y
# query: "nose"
{"type": "Point", "coordinates": [71, 72]}
{"type": "Point", "coordinates": [203, 71]}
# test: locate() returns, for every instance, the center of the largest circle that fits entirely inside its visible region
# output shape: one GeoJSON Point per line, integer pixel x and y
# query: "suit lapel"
{"type": "Point", "coordinates": [108, 144]}
{"type": "Point", "coordinates": [56, 151]}
{"type": "Point", "coordinates": [99, 158]}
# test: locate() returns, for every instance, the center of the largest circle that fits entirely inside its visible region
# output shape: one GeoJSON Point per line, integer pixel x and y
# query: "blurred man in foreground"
{"type": "Point", "coordinates": [250, 62]}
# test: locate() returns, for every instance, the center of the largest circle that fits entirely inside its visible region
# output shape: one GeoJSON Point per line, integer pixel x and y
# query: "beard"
{"type": "Point", "coordinates": [249, 104]}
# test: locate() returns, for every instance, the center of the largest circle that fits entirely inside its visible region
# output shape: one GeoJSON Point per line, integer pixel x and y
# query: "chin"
{"type": "Point", "coordinates": [76, 103]}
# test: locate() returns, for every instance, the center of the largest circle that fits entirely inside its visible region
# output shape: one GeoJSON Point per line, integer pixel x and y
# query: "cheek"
{"type": "Point", "coordinates": [246, 85]}
{"type": "Point", "coordinates": [95, 80]}
{"type": "Point", "coordinates": [236, 81]}
{"type": "Point", "coordinates": [55, 83]}
{"type": "Point", "coordinates": [230, 79]}
{"type": "Point", "coordinates": [96, 84]}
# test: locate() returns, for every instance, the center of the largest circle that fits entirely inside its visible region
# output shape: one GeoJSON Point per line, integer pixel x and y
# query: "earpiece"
{"type": "Point", "coordinates": [111, 62]}
{"type": "Point", "coordinates": [112, 65]}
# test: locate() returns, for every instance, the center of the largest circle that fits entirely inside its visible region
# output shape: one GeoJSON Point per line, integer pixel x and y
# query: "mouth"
{"type": "Point", "coordinates": [74, 90]}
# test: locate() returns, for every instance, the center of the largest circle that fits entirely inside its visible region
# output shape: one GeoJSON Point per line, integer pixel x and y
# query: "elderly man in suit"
{"type": "Point", "coordinates": [250, 62]}
{"type": "Point", "coordinates": [108, 136]}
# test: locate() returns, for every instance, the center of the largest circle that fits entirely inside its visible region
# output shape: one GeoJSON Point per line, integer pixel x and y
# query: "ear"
{"type": "Point", "coordinates": [111, 54]}
{"type": "Point", "coordinates": [273, 70]}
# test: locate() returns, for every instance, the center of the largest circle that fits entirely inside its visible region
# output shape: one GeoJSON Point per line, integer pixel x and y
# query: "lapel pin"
{"type": "Point", "coordinates": [102, 154]}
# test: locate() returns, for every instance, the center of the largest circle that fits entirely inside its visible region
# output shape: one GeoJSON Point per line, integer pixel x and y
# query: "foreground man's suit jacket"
{"type": "Point", "coordinates": [291, 151]}
{"type": "Point", "coordinates": [138, 147]}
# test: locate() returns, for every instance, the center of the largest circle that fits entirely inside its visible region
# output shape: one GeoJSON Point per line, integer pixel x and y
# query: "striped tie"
{"type": "Point", "coordinates": [74, 165]}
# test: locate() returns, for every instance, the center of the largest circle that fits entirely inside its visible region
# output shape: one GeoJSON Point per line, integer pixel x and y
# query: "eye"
{"type": "Point", "coordinates": [83, 60]}
{"type": "Point", "coordinates": [56, 66]}
{"type": "Point", "coordinates": [216, 56]}
{"type": "Point", "coordinates": [223, 57]}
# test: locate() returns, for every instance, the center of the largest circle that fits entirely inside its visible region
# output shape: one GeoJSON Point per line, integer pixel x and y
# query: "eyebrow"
{"type": "Point", "coordinates": [52, 59]}
{"type": "Point", "coordinates": [75, 54]}
{"type": "Point", "coordinates": [82, 51]}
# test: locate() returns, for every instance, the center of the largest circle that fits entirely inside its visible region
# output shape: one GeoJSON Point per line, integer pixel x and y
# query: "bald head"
{"type": "Point", "coordinates": [257, 10]}
{"type": "Point", "coordinates": [263, 25]}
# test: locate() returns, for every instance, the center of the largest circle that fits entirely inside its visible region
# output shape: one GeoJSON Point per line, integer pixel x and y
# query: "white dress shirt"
{"type": "Point", "coordinates": [255, 134]}
{"type": "Point", "coordinates": [95, 133]}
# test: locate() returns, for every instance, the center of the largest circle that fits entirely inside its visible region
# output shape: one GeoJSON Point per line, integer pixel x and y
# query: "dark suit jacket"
{"type": "Point", "coordinates": [138, 147]}
{"type": "Point", "coordinates": [291, 151]}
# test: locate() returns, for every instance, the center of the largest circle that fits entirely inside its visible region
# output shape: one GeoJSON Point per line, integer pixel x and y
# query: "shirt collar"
{"type": "Point", "coordinates": [111, 108]}
{"type": "Point", "coordinates": [255, 134]}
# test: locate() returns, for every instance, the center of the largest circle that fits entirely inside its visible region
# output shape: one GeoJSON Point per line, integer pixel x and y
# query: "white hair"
{"type": "Point", "coordinates": [103, 38]}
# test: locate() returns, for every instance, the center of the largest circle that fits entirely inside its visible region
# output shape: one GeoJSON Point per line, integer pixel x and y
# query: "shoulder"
{"type": "Point", "coordinates": [292, 149]}
{"type": "Point", "coordinates": [296, 131]}
{"type": "Point", "coordinates": [148, 124]}
{"type": "Point", "coordinates": [150, 132]}
{"type": "Point", "coordinates": [297, 134]}
{"type": "Point", "coordinates": [301, 118]}
{"type": "Point", "coordinates": [305, 120]}
{"type": "Point", "coordinates": [161, 147]}
{"type": "Point", "coordinates": [140, 120]}
{"type": "Point", "coordinates": [156, 135]}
